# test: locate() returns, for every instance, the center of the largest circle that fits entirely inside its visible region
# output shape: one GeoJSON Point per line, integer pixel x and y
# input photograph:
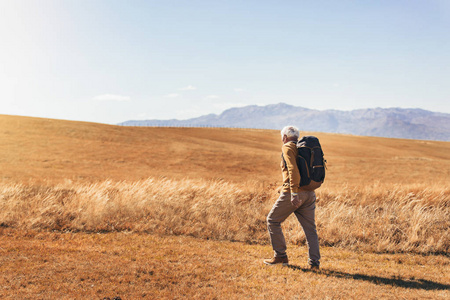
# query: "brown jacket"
{"type": "Point", "coordinates": [289, 169]}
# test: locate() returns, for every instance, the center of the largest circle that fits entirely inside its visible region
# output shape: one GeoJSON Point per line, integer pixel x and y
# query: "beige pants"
{"type": "Point", "coordinates": [305, 214]}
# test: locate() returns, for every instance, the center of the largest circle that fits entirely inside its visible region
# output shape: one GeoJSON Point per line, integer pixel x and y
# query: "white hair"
{"type": "Point", "coordinates": [290, 132]}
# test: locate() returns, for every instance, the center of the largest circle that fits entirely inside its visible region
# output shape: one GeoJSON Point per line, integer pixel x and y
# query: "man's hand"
{"type": "Point", "coordinates": [295, 200]}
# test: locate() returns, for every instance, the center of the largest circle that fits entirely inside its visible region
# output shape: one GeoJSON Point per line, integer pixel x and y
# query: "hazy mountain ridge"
{"type": "Point", "coordinates": [382, 122]}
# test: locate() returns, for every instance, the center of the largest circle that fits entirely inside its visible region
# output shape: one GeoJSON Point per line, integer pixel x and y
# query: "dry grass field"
{"type": "Point", "coordinates": [55, 265]}
{"type": "Point", "coordinates": [91, 211]}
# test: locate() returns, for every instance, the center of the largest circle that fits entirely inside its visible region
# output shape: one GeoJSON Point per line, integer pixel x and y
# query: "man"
{"type": "Point", "coordinates": [292, 200]}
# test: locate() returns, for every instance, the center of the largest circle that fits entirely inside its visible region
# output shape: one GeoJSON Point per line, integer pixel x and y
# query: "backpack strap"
{"type": "Point", "coordinates": [284, 161]}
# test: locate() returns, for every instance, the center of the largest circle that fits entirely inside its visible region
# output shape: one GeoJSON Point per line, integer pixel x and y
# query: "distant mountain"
{"type": "Point", "coordinates": [383, 122]}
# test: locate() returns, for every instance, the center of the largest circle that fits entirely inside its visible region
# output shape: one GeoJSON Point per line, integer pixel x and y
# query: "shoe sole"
{"type": "Point", "coordinates": [283, 264]}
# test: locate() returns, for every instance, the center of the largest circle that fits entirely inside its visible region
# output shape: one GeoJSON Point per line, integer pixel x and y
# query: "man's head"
{"type": "Point", "coordinates": [289, 133]}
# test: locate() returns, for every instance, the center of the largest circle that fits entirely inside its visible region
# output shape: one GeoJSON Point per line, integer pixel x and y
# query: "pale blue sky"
{"type": "Point", "coordinates": [111, 61]}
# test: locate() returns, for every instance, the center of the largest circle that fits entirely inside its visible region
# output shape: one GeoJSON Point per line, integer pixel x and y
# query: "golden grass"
{"type": "Point", "coordinates": [400, 220]}
{"type": "Point", "coordinates": [63, 182]}
{"type": "Point", "coordinates": [379, 194]}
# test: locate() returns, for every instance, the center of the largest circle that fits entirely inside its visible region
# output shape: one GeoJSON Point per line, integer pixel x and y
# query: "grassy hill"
{"type": "Point", "coordinates": [53, 150]}
{"type": "Point", "coordinates": [182, 214]}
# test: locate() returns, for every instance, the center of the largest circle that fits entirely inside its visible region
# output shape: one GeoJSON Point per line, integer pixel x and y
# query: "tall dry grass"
{"type": "Point", "coordinates": [374, 218]}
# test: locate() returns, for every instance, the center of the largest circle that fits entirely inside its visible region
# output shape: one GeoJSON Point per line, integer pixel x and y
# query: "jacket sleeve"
{"type": "Point", "coordinates": [290, 157]}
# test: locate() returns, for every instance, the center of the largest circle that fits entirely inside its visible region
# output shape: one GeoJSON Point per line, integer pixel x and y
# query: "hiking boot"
{"type": "Point", "coordinates": [277, 260]}
{"type": "Point", "coordinates": [314, 267]}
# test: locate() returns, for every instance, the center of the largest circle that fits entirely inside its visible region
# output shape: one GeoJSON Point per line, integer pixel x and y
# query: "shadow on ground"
{"type": "Point", "coordinates": [394, 281]}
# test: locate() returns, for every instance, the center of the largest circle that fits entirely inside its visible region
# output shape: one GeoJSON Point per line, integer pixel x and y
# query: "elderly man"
{"type": "Point", "coordinates": [292, 200]}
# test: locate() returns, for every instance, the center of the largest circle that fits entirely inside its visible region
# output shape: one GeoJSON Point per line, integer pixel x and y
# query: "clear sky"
{"type": "Point", "coordinates": [110, 61]}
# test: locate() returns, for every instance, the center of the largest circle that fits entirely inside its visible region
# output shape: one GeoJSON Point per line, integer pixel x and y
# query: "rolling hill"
{"type": "Point", "coordinates": [55, 150]}
{"type": "Point", "coordinates": [94, 211]}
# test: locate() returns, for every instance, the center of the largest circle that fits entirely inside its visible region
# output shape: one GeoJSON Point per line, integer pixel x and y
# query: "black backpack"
{"type": "Point", "coordinates": [311, 163]}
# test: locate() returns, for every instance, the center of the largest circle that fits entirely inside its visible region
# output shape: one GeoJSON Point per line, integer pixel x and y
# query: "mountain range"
{"type": "Point", "coordinates": [382, 122]}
